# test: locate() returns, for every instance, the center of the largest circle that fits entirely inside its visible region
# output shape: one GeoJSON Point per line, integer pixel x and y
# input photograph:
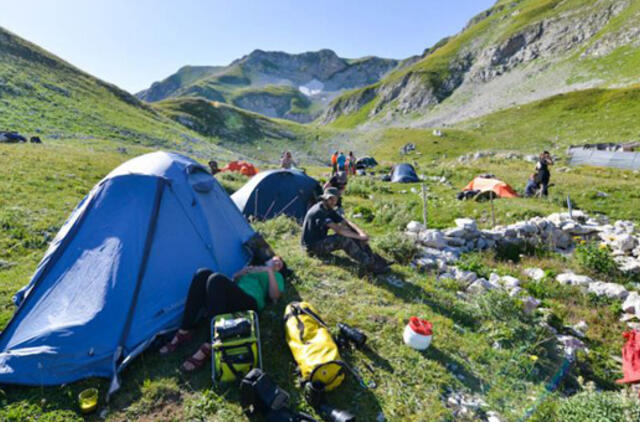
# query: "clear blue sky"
{"type": "Point", "coordinates": [133, 43]}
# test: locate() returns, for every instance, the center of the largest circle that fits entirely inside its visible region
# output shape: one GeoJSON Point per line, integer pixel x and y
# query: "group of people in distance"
{"type": "Point", "coordinates": [341, 162]}
{"type": "Point", "coordinates": [212, 294]}
{"type": "Point", "coordinates": [538, 182]}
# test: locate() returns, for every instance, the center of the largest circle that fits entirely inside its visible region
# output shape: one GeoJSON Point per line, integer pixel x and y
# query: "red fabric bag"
{"type": "Point", "coordinates": [631, 358]}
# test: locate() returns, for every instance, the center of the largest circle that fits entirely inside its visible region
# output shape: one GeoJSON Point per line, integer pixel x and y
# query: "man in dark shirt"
{"type": "Point", "coordinates": [349, 237]}
{"type": "Point", "coordinates": [338, 181]}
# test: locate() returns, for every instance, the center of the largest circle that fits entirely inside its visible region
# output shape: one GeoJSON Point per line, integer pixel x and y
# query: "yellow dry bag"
{"type": "Point", "coordinates": [312, 346]}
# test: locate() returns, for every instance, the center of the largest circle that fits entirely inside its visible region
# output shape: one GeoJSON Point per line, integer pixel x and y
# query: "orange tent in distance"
{"type": "Point", "coordinates": [499, 187]}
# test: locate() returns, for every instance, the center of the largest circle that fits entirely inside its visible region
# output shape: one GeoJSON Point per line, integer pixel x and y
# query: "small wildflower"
{"type": "Point", "coordinates": [533, 358]}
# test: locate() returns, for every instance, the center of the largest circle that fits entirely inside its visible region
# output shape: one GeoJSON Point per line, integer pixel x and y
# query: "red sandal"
{"type": "Point", "coordinates": [180, 340]}
{"type": "Point", "coordinates": [198, 363]}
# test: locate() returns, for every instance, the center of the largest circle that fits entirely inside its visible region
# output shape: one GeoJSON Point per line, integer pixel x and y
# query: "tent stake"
{"type": "Point", "coordinates": [570, 207]}
{"type": "Point", "coordinates": [493, 212]}
{"type": "Point", "coordinates": [424, 205]}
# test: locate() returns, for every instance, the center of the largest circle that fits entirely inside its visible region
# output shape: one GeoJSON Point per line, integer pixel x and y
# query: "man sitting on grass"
{"type": "Point", "coordinates": [349, 237]}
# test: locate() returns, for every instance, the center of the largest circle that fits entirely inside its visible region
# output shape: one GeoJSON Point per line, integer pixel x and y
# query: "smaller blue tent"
{"type": "Point", "coordinates": [118, 271]}
{"type": "Point", "coordinates": [404, 173]}
{"type": "Point", "coordinates": [274, 192]}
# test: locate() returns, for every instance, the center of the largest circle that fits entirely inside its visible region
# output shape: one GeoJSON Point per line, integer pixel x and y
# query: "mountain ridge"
{"type": "Point", "coordinates": [513, 53]}
{"type": "Point", "coordinates": [317, 76]}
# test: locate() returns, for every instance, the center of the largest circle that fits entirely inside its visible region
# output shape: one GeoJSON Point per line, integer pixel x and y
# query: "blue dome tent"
{"type": "Point", "coordinates": [274, 192]}
{"type": "Point", "coordinates": [118, 271]}
{"type": "Point", "coordinates": [404, 173]}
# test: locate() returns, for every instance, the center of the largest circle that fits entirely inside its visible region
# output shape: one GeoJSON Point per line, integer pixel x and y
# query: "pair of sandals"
{"type": "Point", "coordinates": [180, 339]}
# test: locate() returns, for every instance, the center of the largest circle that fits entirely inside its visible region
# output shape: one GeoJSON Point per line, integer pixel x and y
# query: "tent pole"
{"type": "Point", "coordinates": [424, 205]}
{"type": "Point", "coordinates": [493, 212]}
{"type": "Point", "coordinates": [151, 230]}
{"type": "Point", "coordinates": [287, 206]}
{"type": "Point", "coordinates": [255, 203]}
{"type": "Point", "coordinates": [270, 206]}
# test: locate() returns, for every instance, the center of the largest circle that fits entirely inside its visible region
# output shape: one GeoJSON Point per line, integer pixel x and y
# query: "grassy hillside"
{"type": "Point", "coordinates": [186, 75]}
{"type": "Point", "coordinates": [42, 95]}
{"type": "Point", "coordinates": [463, 358]}
{"type": "Point", "coordinates": [590, 116]}
{"type": "Point", "coordinates": [513, 53]}
{"type": "Point", "coordinates": [484, 346]}
{"type": "Point", "coordinates": [249, 133]}
{"type": "Point", "coordinates": [50, 179]}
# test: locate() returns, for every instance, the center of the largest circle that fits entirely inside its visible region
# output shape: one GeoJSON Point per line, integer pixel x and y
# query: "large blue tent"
{"type": "Point", "coordinates": [118, 272]}
{"type": "Point", "coordinates": [274, 192]}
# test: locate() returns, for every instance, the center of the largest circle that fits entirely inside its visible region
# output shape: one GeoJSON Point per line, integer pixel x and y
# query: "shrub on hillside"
{"type": "Point", "coordinates": [397, 246]}
{"type": "Point", "coordinates": [605, 406]}
{"type": "Point", "coordinates": [396, 215]}
{"type": "Point", "coordinates": [365, 186]}
{"type": "Point", "coordinates": [473, 262]}
{"type": "Point", "coordinates": [596, 258]}
{"type": "Point", "coordinates": [365, 212]}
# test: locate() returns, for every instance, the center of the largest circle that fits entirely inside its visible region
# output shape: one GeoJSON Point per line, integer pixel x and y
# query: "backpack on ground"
{"type": "Point", "coordinates": [235, 343]}
{"type": "Point", "coordinates": [313, 347]}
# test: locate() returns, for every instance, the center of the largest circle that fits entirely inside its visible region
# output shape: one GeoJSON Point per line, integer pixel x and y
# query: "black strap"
{"type": "Point", "coordinates": [225, 358]}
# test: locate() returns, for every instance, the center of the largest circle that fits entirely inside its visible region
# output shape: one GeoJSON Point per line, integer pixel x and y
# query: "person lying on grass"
{"type": "Point", "coordinates": [348, 236]}
{"type": "Point", "coordinates": [213, 294]}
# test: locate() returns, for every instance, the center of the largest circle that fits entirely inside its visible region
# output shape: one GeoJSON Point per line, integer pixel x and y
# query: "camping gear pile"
{"type": "Point", "coordinates": [259, 394]}
{"type": "Point", "coordinates": [115, 276]}
{"type": "Point", "coordinates": [235, 344]}
{"type": "Point", "coordinates": [275, 192]}
{"type": "Point", "coordinates": [242, 167]}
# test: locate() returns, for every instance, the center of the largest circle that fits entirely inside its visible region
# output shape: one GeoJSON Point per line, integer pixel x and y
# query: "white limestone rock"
{"type": "Point", "coordinates": [625, 242]}
{"type": "Point", "coordinates": [536, 274]}
{"type": "Point", "coordinates": [433, 238]}
{"type": "Point", "coordinates": [610, 290]}
{"type": "Point", "coordinates": [530, 304]}
{"type": "Point", "coordinates": [467, 224]}
{"type": "Point", "coordinates": [415, 227]}
{"type": "Point", "coordinates": [573, 279]}
{"type": "Point", "coordinates": [631, 304]}
{"type": "Point", "coordinates": [515, 292]}
{"type": "Point", "coordinates": [628, 264]}
{"type": "Point", "coordinates": [481, 285]}
{"type": "Point", "coordinates": [455, 232]}
{"type": "Point", "coordinates": [509, 282]}
{"type": "Point", "coordinates": [570, 344]}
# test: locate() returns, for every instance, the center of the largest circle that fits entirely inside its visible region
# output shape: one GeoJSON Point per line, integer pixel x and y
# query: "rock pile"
{"type": "Point", "coordinates": [473, 156]}
{"type": "Point", "coordinates": [556, 231]}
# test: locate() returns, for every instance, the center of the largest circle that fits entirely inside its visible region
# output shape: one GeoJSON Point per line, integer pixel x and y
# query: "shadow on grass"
{"type": "Point", "coordinates": [456, 367]}
{"type": "Point", "coordinates": [277, 362]}
{"type": "Point", "coordinates": [438, 301]}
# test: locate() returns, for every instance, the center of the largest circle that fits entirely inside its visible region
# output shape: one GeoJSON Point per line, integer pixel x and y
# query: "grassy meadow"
{"type": "Point", "coordinates": [486, 347]}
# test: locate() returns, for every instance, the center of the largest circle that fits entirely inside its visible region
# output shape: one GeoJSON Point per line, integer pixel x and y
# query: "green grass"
{"type": "Point", "coordinates": [412, 384]}
{"type": "Point", "coordinates": [484, 346]}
